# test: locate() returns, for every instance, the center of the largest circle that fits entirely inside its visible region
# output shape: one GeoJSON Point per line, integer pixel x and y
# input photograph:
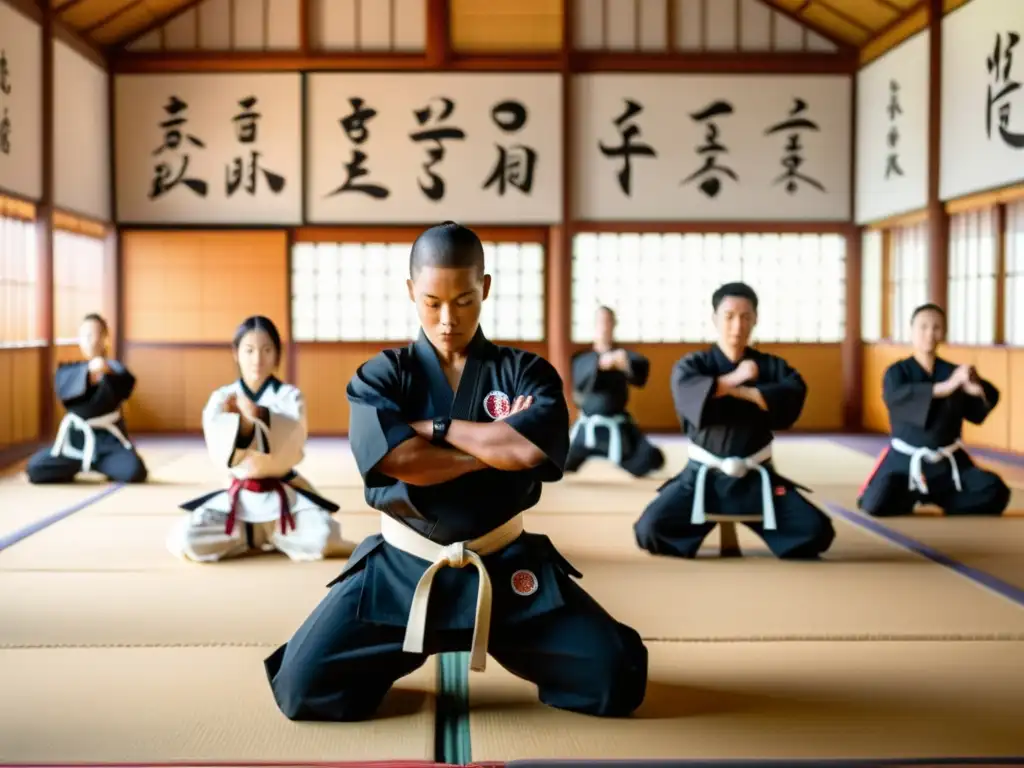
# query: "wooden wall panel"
{"type": "Point", "coordinates": [19, 395]}
{"type": "Point", "coordinates": [877, 357]}
{"type": "Point", "coordinates": [1015, 394]}
{"type": "Point", "coordinates": [173, 385]}
{"type": "Point", "coordinates": [506, 25]}
{"type": "Point", "coordinates": [198, 286]}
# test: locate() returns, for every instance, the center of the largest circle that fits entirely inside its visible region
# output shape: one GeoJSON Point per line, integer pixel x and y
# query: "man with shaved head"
{"type": "Point", "coordinates": [453, 436]}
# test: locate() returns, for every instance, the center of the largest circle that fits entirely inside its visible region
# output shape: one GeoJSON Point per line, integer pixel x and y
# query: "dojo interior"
{"type": "Point", "coordinates": [906, 642]}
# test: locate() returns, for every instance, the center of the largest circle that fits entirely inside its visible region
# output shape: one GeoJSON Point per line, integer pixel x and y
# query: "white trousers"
{"type": "Point", "coordinates": [200, 537]}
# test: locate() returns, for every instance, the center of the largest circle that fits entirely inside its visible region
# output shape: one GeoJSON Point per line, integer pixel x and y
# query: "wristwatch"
{"type": "Point", "coordinates": [441, 426]}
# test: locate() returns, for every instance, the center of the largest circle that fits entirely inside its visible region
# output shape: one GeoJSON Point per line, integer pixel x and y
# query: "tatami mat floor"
{"type": "Point", "coordinates": [113, 651]}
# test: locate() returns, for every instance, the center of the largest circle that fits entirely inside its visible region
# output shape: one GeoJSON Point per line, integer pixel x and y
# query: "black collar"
{"type": "Point", "coordinates": [272, 383]}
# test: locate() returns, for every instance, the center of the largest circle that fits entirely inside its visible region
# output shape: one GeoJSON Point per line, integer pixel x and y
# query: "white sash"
{"type": "Point", "coordinates": [590, 424]}
{"type": "Point", "coordinates": [457, 555]}
{"type": "Point", "coordinates": [734, 467]}
{"type": "Point", "coordinates": [933, 456]}
{"type": "Point", "coordinates": [62, 445]}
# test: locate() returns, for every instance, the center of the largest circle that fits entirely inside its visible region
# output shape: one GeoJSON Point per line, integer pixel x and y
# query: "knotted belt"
{"type": "Point", "coordinates": [733, 467]}
{"type": "Point", "coordinates": [933, 456]}
{"type": "Point", "coordinates": [88, 427]}
{"type": "Point", "coordinates": [590, 424]}
{"type": "Point", "coordinates": [258, 485]}
{"type": "Point", "coordinates": [457, 555]}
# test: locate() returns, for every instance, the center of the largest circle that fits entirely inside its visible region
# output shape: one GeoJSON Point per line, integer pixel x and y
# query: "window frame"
{"type": "Point", "coordinates": [723, 241]}
{"type": "Point", "coordinates": [399, 235]}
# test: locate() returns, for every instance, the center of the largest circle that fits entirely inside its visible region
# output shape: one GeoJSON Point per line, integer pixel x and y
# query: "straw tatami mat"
{"type": "Point", "coordinates": [186, 704]}
{"type": "Point", "coordinates": [777, 700]}
{"type": "Point", "coordinates": [815, 460]}
{"type": "Point", "coordinates": [328, 462]}
{"type": "Point", "coordinates": [990, 544]}
{"type": "Point", "coordinates": [96, 572]}
{"type": "Point", "coordinates": [22, 505]}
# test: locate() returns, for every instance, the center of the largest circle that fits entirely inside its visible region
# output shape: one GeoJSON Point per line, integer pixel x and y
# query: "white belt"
{"type": "Point", "coordinates": [457, 555]}
{"type": "Point", "coordinates": [88, 427]}
{"type": "Point", "coordinates": [734, 467]}
{"type": "Point", "coordinates": [933, 456]}
{"type": "Point", "coordinates": [590, 424]}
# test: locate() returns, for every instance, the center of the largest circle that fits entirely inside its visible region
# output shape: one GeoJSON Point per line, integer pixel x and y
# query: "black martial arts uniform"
{"type": "Point", "coordinates": [95, 408]}
{"type": "Point", "coordinates": [544, 628]}
{"type": "Point", "coordinates": [930, 427]}
{"type": "Point", "coordinates": [729, 427]}
{"type": "Point", "coordinates": [604, 395]}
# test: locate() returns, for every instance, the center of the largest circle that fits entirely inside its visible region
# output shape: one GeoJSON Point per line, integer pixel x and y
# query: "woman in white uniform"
{"type": "Point", "coordinates": [255, 429]}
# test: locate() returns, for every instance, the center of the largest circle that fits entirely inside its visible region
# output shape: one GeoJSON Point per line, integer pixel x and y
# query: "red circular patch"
{"type": "Point", "coordinates": [497, 405]}
{"type": "Point", "coordinates": [524, 583]}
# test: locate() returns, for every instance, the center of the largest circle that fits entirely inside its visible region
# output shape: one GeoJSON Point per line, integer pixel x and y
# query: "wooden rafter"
{"type": "Point", "coordinates": [839, 14]}
{"type": "Point", "coordinates": [104, 20]}
{"type": "Point", "coordinates": [904, 15]}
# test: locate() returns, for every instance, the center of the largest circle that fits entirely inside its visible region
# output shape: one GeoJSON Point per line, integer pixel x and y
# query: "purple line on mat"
{"type": "Point", "coordinates": [13, 538]}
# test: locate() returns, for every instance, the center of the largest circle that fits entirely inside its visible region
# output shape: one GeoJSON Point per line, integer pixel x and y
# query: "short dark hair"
{"type": "Point", "coordinates": [448, 246]}
{"type": "Point", "coordinates": [258, 323]}
{"type": "Point", "coordinates": [929, 307]}
{"type": "Point", "coordinates": [737, 290]}
{"type": "Point", "coordinates": [98, 319]}
{"type": "Point", "coordinates": [609, 310]}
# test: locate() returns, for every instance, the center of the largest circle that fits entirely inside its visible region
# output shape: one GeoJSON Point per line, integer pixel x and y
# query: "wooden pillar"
{"type": "Point", "coordinates": [999, 305]}
{"type": "Point", "coordinates": [439, 39]}
{"type": "Point", "coordinates": [938, 220]}
{"type": "Point", "coordinates": [853, 371]}
{"type": "Point", "coordinates": [559, 258]}
{"type": "Point", "coordinates": [44, 235]}
{"type": "Point", "coordinates": [851, 365]}
{"type": "Point", "coordinates": [114, 258]}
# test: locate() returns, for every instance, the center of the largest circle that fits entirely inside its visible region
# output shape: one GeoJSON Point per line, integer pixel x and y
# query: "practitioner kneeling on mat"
{"type": "Point", "coordinates": [730, 399]}
{"type": "Point", "coordinates": [255, 430]}
{"type": "Point", "coordinates": [928, 399]}
{"type": "Point", "coordinates": [453, 436]}
{"type": "Point", "coordinates": [92, 434]}
{"type": "Point", "coordinates": [601, 378]}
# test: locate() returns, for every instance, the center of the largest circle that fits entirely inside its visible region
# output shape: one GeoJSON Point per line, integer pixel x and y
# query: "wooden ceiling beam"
{"type": "Point", "coordinates": [579, 62]}
{"type": "Point", "coordinates": [853, 22]}
{"type": "Point", "coordinates": [66, 6]}
{"type": "Point", "coordinates": [103, 21]}
{"type": "Point", "coordinates": [904, 15]}
{"type": "Point", "coordinates": [797, 16]}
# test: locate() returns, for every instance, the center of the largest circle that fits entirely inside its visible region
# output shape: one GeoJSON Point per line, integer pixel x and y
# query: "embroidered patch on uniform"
{"type": "Point", "coordinates": [780, 491]}
{"type": "Point", "coordinates": [497, 405]}
{"type": "Point", "coordinates": [524, 583]}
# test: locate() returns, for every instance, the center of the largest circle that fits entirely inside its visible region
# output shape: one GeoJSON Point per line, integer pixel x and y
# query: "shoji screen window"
{"type": "Point", "coordinates": [19, 274]}
{"type": "Point", "coordinates": [357, 292]}
{"type": "Point", "coordinates": [871, 286]}
{"type": "Point", "coordinates": [660, 285]}
{"type": "Point", "coordinates": [908, 277]}
{"type": "Point", "coordinates": [973, 239]}
{"type": "Point", "coordinates": [1013, 328]}
{"type": "Point", "coordinates": [78, 281]}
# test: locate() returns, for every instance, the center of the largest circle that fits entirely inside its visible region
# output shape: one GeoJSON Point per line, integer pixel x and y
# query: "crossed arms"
{"type": "Point", "coordinates": [779, 391]}
{"type": "Point", "coordinates": [388, 447]}
{"type": "Point", "coordinates": [477, 446]}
